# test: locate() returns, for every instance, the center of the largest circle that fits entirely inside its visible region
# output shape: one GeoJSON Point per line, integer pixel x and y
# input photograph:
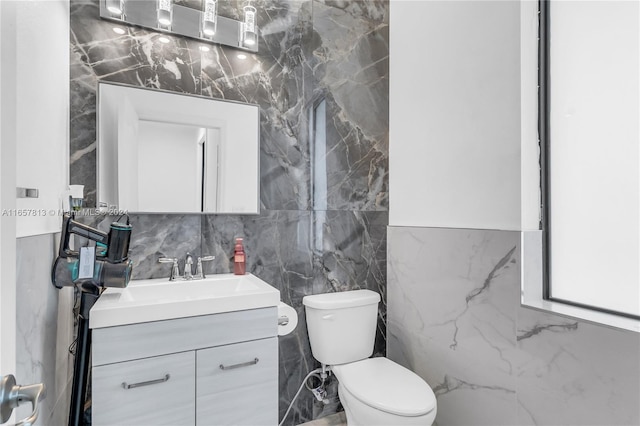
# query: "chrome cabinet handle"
{"type": "Point", "coordinates": [242, 364]}
{"type": "Point", "coordinates": [147, 383]}
{"type": "Point", "coordinates": [11, 396]}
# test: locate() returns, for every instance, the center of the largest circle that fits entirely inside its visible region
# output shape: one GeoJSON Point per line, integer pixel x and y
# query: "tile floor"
{"type": "Point", "coordinates": [337, 419]}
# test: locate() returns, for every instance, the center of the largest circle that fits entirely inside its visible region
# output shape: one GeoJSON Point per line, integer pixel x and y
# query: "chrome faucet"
{"type": "Point", "coordinates": [188, 267]}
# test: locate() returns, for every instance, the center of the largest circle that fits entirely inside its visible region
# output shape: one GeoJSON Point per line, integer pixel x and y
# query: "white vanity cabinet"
{"type": "Point", "coordinates": [235, 384]}
{"type": "Point", "coordinates": [219, 369]}
{"type": "Point", "coordinates": [149, 391]}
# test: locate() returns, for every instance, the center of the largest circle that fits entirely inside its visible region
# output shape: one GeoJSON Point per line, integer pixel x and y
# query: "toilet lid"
{"type": "Point", "coordinates": [387, 386]}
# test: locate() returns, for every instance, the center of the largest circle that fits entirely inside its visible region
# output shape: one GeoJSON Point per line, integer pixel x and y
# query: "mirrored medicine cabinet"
{"type": "Point", "coordinates": [165, 152]}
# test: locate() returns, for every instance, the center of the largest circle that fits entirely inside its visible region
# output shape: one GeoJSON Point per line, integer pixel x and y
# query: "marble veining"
{"type": "Point", "coordinates": [507, 259]}
{"type": "Point", "coordinates": [309, 50]}
{"type": "Point", "coordinates": [451, 384]}
{"type": "Point", "coordinates": [40, 345]}
{"type": "Point", "coordinates": [454, 317]}
{"type": "Point", "coordinates": [539, 328]}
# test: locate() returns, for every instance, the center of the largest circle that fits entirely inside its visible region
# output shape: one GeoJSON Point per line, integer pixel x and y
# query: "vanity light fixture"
{"type": "Point", "coordinates": [115, 7]}
{"type": "Point", "coordinates": [249, 36]}
{"type": "Point", "coordinates": [118, 30]}
{"type": "Point", "coordinates": [209, 16]}
{"type": "Point", "coordinates": [197, 20]}
{"type": "Point", "coordinates": [165, 9]}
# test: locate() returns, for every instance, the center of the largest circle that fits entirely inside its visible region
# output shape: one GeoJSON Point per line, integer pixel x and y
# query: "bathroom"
{"type": "Point", "coordinates": [393, 157]}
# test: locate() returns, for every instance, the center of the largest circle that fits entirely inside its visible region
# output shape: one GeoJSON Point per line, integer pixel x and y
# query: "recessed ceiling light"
{"type": "Point", "coordinates": [204, 48]}
{"type": "Point", "coordinates": [242, 56]}
{"type": "Point", "coordinates": [163, 40]}
{"type": "Point", "coordinates": [118, 30]}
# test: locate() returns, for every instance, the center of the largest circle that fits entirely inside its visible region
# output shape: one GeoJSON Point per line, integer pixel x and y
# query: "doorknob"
{"type": "Point", "coordinates": [12, 395]}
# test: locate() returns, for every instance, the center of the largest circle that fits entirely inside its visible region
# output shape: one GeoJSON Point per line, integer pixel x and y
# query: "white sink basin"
{"type": "Point", "coordinates": [161, 299]}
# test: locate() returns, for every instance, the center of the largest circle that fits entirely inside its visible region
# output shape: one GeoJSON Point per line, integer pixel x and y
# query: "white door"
{"type": "Point", "coordinates": [34, 77]}
{"type": "Point", "coordinates": [7, 187]}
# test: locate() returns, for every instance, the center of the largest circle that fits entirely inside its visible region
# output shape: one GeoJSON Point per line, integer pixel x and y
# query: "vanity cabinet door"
{"type": "Point", "coordinates": [238, 384]}
{"type": "Point", "coordinates": [152, 391]}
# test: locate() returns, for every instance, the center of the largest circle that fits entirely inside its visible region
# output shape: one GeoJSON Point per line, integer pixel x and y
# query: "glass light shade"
{"type": "Point", "coordinates": [164, 12]}
{"type": "Point", "coordinates": [115, 7]}
{"type": "Point", "coordinates": [249, 36]}
{"type": "Point", "coordinates": [209, 17]}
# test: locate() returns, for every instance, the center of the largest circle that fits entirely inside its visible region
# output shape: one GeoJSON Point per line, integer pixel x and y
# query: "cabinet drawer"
{"type": "Point", "coordinates": [152, 391]}
{"type": "Point", "coordinates": [129, 342]}
{"type": "Point", "coordinates": [245, 391]}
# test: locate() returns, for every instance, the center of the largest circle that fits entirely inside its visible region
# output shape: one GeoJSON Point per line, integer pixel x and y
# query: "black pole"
{"type": "Point", "coordinates": [88, 296]}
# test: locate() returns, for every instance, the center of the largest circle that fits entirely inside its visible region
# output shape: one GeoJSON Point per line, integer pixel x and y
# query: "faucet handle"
{"type": "Point", "coordinates": [200, 271]}
{"type": "Point", "coordinates": [174, 270]}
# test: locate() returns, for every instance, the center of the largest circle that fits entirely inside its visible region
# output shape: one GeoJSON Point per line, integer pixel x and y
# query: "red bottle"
{"type": "Point", "coordinates": [239, 258]}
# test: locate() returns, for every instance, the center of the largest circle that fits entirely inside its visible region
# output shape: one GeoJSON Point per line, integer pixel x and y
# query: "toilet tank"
{"type": "Point", "coordinates": [342, 326]}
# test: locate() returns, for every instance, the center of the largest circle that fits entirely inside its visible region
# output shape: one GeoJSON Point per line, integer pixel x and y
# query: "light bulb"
{"type": "Point", "coordinates": [209, 17]}
{"type": "Point", "coordinates": [165, 8]}
{"type": "Point", "coordinates": [115, 7]}
{"type": "Point", "coordinates": [249, 36]}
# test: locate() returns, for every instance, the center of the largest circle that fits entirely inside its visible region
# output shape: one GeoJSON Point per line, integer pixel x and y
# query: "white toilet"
{"type": "Point", "coordinates": [373, 391]}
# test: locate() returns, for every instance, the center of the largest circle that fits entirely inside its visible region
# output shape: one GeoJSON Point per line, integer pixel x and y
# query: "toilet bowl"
{"type": "Point", "coordinates": [379, 392]}
{"type": "Point", "coordinates": [373, 391]}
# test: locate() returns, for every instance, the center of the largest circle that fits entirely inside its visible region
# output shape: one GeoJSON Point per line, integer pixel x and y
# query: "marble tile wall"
{"type": "Point", "coordinates": [454, 317]}
{"type": "Point", "coordinates": [309, 51]}
{"type": "Point", "coordinates": [43, 338]}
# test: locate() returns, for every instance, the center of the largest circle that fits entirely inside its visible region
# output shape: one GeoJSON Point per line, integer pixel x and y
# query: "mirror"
{"type": "Point", "coordinates": [165, 152]}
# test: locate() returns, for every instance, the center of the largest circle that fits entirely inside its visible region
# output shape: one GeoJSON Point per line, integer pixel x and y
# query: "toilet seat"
{"type": "Point", "coordinates": [382, 384]}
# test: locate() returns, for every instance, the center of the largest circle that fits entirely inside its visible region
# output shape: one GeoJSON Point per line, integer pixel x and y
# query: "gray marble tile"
{"type": "Point", "coordinates": [572, 372]}
{"type": "Point", "coordinates": [357, 166]}
{"type": "Point", "coordinates": [351, 69]}
{"type": "Point", "coordinates": [454, 317]}
{"type": "Point", "coordinates": [459, 378]}
{"type": "Point", "coordinates": [36, 322]}
{"type": "Point", "coordinates": [136, 57]}
{"type": "Point", "coordinates": [475, 272]}
{"type": "Point", "coordinates": [82, 126]}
